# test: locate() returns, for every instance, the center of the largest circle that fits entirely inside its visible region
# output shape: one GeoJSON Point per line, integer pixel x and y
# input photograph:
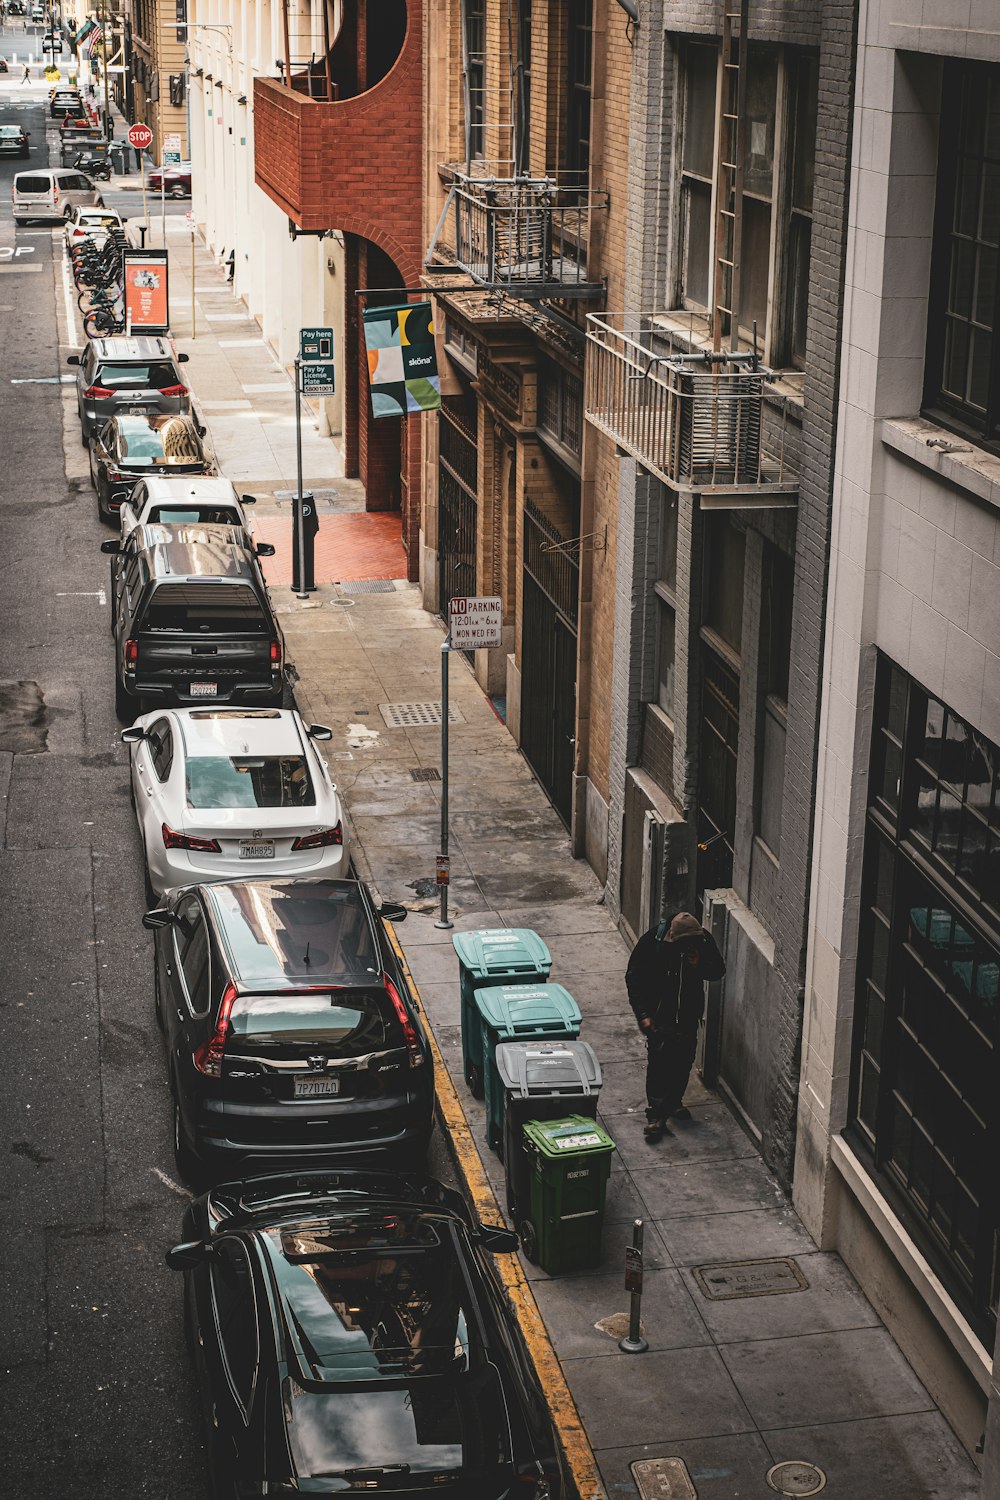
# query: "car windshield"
{"type": "Point", "coordinates": [218, 608]}
{"type": "Point", "coordinates": [314, 934]}
{"type": "Point", "coordinates": [161, 441]}
{"type": "Point", "coordinates": [10, 130]}
{"type": "Point", "coordinates": [249, 781]}
{"type": "Point", "coordinates": [180, 515]}
{"type": "Point", "coordinates": [344, 1023]}
{"type": "Point", "coordinates": [149, 375]}
{"type": "Point", "coordinates": [97, 221]}
{"type": "Point", "coordinates": [140, 442]}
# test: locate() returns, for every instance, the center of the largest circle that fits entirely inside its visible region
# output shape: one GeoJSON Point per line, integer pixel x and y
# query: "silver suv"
{"type": "Point", "coordinates": [134, 375]}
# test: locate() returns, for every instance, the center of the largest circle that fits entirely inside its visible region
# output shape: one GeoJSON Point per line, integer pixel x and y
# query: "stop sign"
{"type": "Point", "coordinates": [140, 137]}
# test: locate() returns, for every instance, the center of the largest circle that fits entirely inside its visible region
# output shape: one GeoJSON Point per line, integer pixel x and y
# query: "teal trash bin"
{"type": "Point", "coordinates": [541, 1081]}
{"type": "Point", "coordinates": [569, 1166]}
{"type": "Point", "coordinates": [519, 1012]}
{"type": "Point", "coordinates": [492, 956]}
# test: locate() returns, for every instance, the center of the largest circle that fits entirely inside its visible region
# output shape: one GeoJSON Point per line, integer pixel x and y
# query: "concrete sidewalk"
{"type": "Point", "coordinates": [731, 1387]}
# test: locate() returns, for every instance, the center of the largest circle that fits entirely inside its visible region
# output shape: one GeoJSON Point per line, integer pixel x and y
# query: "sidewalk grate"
{"type": "Point", "coordinates": [425, 773]}
{"type": "Point", "coordinates": [663, 1479]}
{"type": "Point", "coordinates": [367, 586]}
{"type": "Point", "coordinates": [417, 715]}
{"type": "Point", "coordinates": [749, 1278]}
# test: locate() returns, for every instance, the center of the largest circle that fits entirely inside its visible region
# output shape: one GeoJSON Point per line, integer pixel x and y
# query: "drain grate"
{"type": "Point", "coordinates": [425, 773]}
{"type": "Point", "coordinates": [417, 715]}
{"type": "Point", "coordinates": [367, 586]}
{"type": "Point", "coordinates": [796, 1477]}
{"type": "Point", "coordinates": [749, 1278]}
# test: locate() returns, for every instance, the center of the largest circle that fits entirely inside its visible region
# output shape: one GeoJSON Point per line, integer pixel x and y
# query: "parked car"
{"type": "Point", "coordinates": [65, 101]}
{"type": "Point", "coordinates": [358, 1321]}
{"type": "Point", "coordinates": [14, 141]}
{"type": "Point", "coordinates": [193, 622]}
{"type": "Point", "coordinates": [139, 374]}
{"type": "Point", "coordinates": [51, 194]}
{"type": "Point", "coordinates": [291, 1033]}
{"type": "Point", "coordinates": [178, 502]}
{"type": "Point", "coordinates": [231, 794]}
{"type": "Point", "coordinates": [175, 179]}
{"type": "Point", "coordinates": [135, 443]}
{"type": "Point", "coordinates": [92, 224]}
{"type": "Point", "coordinates": [53, 42]}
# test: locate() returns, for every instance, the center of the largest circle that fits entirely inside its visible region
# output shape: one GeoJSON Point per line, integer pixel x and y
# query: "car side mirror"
{"type": "Point", "coordinates": [133, 736]}
{"type": "Point", "coordinates": [390, 911]}
{"type": "Point", "coordinates": [151, 920]}
{"type": "Point", "coordinates": [249, 499]}
{"type": "Point", "coordinates": [182, 359]}
{"type": "Point", "coordinates": [264, 549]}
{"type": "Point", "coordinates": [72, 359]}
{"type": "Point", "coordinates": [186, 1256]}
{"type": "Point", "coordinates": [111, 547]}
{"type": "Point", "coordinates": [319, 732]}
{"type": "Point", "coordinates": [498, 1238]}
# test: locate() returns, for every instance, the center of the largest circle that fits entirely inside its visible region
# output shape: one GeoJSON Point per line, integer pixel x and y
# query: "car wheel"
{"type": "Point", "coordinates": [113, 596]}
{"type": "Point", "coordinates": [177, 192]}
{"type": "Point", "coordinates": [185, 1159]}
{"type": "Point", "coordinates": [68, 211]}
{"type": "Point", "coordinates": [84, 439]}
{"type": "Point", "coordinates": [125, 708]}
{"type": "Point", "coordinates": [157, 1001]}
{"type": "Point", "coordinates": [20, 222]}
{"type": "Point", "coordinates": [529, 1240]}
{"type": "Point", "coordinates": [152, 899]}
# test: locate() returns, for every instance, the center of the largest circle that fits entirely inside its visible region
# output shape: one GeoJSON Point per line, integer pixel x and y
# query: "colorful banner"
{"type": "Point", "coordinates": [146, 291]}
{"type": "Point", "coordinates": [402, 359]}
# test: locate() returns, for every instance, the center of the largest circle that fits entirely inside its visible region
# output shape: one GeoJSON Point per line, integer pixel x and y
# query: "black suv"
{"type": "Point", "coordinates": [350, 1334]}
{"type": "Point", "coordinates": [291, 1030]}
{"type": "Point", "coordinates": [193, 622]}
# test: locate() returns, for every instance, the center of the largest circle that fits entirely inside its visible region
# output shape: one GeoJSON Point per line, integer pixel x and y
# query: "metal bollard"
{"type": "Point", "coordinates": [634, 1343]}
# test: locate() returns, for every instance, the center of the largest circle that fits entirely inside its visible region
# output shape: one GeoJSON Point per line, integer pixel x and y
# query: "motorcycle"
{"type": "Point", "coordinates": [98, 167]}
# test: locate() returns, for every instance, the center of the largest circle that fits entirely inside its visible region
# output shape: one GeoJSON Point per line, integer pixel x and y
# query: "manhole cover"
{"type": "Point", "coordinates": [749, 1278]}
{"type": "Point", "coordinates": [663, 1479]}
{"type": "Point", "coordinates": [425, 773]}
{"type": "Point", "coordinates": [416, 715]}
{"type": "Point", "coordinates": [367, 586]}
{"type": "Point", "coordinates": [796, 1478]}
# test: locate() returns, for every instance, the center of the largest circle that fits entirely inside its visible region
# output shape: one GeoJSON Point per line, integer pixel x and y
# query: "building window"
{"type": "Point", "coordinates": [475, 70]}
{"type": "Point", "coordinates": [963, 382]}
{"type": "Point", "coordinates": [775, 657]}
{"type": "Point", "coordinates": [665, 589]}
{"type": "Point", "coordinates": [778, 165]}
{"type": "Point", "coordinates": [725, 554]}
{"type": "Point", "coordinates": [924, 1095]}
{"type": "Point", "coordinates": [578, 96]}
{"type": "Point", "coordinates": [560, 407]}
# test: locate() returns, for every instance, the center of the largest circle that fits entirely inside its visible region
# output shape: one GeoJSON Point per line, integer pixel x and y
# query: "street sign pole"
{"type": "Point", "coordinates": [443, 871]}
{"type": "Point", "coordinates": [300, 528]}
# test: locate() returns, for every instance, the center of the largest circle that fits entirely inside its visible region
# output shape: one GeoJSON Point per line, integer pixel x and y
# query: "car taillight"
{"type": "Point", "coordinates": [97, 393]}
{"type": "Point", "coordinates": [413, 1046]}
{"type": "Point", "coordinates": [173, 840]}
{"type": "Point", "coordinates": [208, 1057]}
{"type": "Point", "coordinates": [322, 840]}
{"type": "Point", "coordinates": [173, 390]}
{"type": "Point", "coordinates": [131, 653]}
{"type": "Point", "coordinates": [275, 656]}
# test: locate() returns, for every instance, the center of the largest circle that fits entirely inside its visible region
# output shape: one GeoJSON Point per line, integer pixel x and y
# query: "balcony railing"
{"type": "Point", "coordinates": [528, 236]}
{"type": "Point", "coordinates": [698, 421]}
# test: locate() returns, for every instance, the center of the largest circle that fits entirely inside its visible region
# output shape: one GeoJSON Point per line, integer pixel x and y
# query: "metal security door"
{"type": "Point", "coordinates": [548, 656]}
{"type": "Point", "coordinates": [458, 511]}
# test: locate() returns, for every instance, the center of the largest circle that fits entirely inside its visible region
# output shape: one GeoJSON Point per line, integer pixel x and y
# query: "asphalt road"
{"type": "Point", "coordinates": [97, 1393]}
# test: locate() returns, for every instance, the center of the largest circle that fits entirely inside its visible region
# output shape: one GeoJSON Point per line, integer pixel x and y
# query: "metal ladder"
{"type": "Point", "coordinates": [731, 135]}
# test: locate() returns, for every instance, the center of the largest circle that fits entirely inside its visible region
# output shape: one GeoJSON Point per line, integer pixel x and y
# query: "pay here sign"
{"type": "Point", "coordinates": [475, 622]}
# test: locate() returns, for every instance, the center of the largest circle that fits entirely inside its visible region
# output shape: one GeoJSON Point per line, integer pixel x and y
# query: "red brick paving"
{"type": "Point", "coordinates": [366, 544]}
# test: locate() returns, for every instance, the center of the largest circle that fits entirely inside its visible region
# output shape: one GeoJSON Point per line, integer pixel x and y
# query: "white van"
{"type": "Point", "coordinates": [51, 195]}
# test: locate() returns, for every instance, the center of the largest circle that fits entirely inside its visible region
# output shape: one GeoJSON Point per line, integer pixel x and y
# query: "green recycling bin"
{"type": "Point", "coordinates": [519, 1012]}
{"type": "Point", "coordinates": [491, 956]}
{"type": "Point", "coordinates": [569, 1164]}
{"type": "Point", "coordinates": [541, 1081]}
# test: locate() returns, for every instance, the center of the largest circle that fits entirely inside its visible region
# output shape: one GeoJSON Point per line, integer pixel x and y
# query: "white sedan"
{"type": "Point", "coordinates": [233, 794]}
{"type": "Point", "coordinates": [193, 500]}
{"type": "Point", "coordinates": [92, 224]}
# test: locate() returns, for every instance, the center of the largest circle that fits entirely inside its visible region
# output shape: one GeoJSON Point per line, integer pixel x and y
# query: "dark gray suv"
{"type": "Point", "coordinates": [132, 375]}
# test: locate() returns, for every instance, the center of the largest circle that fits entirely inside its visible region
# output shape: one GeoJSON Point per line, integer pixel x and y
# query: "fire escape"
{"type": "Point", "coordinates": [697, 417]}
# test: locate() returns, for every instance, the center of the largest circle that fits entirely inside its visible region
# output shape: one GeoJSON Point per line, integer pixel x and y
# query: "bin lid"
{"type": "Point", "coordinates": [490, 951]}
{"type": "Point", "coordinates": [557, 1067]}
{"type": "Point", "coordinates": [514, 1008]}
{"type": "Point", "coordinates": [573, 1136]}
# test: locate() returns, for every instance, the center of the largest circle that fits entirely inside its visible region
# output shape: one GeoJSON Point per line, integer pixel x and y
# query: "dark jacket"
{"type": "Point", "coordinates": [664, 986]}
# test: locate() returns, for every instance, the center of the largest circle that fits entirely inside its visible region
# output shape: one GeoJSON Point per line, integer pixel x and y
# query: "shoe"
{"type": "Point", "coordinates": [680, 1114]}
{"type": "Point", "coordinates": [654, 1130]}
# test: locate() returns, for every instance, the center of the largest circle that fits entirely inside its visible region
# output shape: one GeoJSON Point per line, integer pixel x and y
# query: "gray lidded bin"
{"type": "Point", "coordinates": [519, 1012]}
{"type": "Point", "coordinates": [491, 956]}
{"type": "Point", "coordinates": [541, 1081]}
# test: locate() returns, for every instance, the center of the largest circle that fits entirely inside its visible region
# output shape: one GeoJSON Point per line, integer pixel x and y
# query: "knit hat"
{"type": "Point", "coordinates": [684, 927]}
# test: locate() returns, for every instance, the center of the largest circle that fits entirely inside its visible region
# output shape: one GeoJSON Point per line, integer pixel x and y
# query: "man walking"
{"type": "Point", "coordinates": [26, 76]}
{"type": "Point", "coordinates": [666, 977]}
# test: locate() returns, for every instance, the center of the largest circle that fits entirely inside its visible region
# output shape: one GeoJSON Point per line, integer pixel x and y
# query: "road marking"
{"type": "Point", "coordinates": [97, 594]}
{"type": "Point", "coordinates": [13, 270]}
{"type": "Point", "coordinates": [8, 252]}
{"type": "Point", "coordinates": [169, 1182]}
{"type": "Point", "coordinates": [44, 380]}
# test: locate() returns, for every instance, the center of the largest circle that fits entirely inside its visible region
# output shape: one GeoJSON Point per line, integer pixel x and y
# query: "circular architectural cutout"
{"type": "Point", "coordinates": [796, 1477]}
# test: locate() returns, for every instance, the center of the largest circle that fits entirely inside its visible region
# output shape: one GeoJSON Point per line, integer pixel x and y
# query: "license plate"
{"type": "Point", "coordinates": [138, 411]}
{"type": "Point", "coordinates": [257, 851]}
{"type": "Point", "coordinates": [204, 689]}
{"type": "Point", "coordinates": [316, 1088]}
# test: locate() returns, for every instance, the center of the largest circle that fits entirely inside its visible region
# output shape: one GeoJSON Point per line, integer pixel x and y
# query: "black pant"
{"type": "Point", "coordinates": [669, 1058]}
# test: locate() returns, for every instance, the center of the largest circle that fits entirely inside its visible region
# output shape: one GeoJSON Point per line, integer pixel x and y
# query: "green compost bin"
{"type": "Point", "coordinates": [519, 1013]}
{"type": "Point", "coordinates": [490, 956]}
{"type": "Point", "coordinates": [569, 1166]}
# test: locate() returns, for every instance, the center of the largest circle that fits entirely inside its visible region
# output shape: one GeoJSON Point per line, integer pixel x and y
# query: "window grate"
{"type": "Point", "coordinates": [367, 586]}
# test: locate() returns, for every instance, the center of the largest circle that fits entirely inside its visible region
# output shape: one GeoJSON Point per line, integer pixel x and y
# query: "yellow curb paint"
{"type": "Point", "coordinates": [581, 1465]}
